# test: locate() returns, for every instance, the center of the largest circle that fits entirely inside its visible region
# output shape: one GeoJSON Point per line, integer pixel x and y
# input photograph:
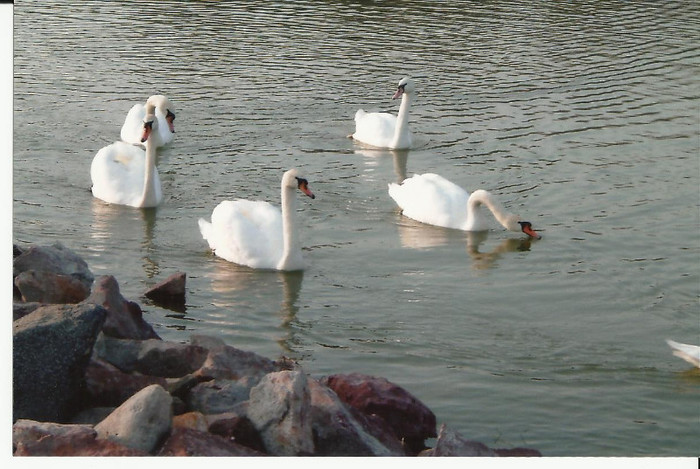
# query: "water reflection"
{"type": "Point", "coordinates": [416, 235]}
{"type": "Point", "coordinates": [239, 287]}
{"type": "Point", "coordinates": [115, 226]}
{"type": "Point", "coordinates": [291, 287]}
{"type": "Point", "coordinates": [400, 158]}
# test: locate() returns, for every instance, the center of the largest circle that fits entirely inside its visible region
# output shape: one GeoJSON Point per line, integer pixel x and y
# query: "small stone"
{"type": "Point", "coordinates": [193, 420]}
{"type": "Point", "coordinates": [170, 292]}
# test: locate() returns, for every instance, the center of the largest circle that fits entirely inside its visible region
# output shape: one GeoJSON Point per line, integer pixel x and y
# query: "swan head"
{"type": "Point", "coordinates": [515, 224]}
{"type": "Point", "coordinates": [163, 104]}
{"type": "Point", "coordinates": [406, 86]}
{"type": "Point", "coordinates": [149, 122]}
{"type": "Point", "coordinates": [526, 227]}
{"type": "Point", "coordinates": [292, 179]}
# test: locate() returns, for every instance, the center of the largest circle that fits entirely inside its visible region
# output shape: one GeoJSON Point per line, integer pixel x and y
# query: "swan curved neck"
{"type": "Point", "coordinates": [401, 133]}
{"type": "Point", "coordinates": [291, 253]}
{"type": "Point", "coordinates": [482, 197]}
{"type": "Point", "coordinates": [148, 198]}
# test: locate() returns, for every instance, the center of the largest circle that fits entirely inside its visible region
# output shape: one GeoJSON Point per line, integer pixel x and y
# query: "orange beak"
{"type": "Point", "coordinates": [527, 229]}
{"type": "Point", "coordinates": [147, 128]}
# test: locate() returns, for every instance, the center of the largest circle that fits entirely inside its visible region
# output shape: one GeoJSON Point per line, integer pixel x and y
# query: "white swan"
{"type": "Point", "coordinates": [125, 174]}
{"type": "Point", "coordinates": [689, 353]}
{"type": "Point", "coordinates": [432, 199]}
{"type": "Point", "coordinates": [132, 127]}
{"type": "Point", "coordinates": [384, 130]}
{"type": "Point", "coordinates": [256, 233]}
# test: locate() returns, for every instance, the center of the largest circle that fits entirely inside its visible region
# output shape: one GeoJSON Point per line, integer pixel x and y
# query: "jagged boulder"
{"type": "Point", "coordinates": [51, 350]}
{"type": "Point", "coordinates": [124, 318]}
{"type": "Point", "coordinates": [279, 408]}
{"type": "Point", "coordinates": [336, 432]}
{"type": "Point", "coordinates": [411, 420]}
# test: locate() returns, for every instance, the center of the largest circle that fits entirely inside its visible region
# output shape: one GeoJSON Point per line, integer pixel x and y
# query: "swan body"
{"type": "Point", "coordinates": [131, 129]}
{"type": "Point", "coordinates": [125, 174]}
{"type": "Point", "coordinates": [689, 353]}
{"type": "Point", "coordinates": [256, 233]}
{"type": "Point", "coordinates": [432, 199]}
{"type": "Point", "coordinates": [384, 130]}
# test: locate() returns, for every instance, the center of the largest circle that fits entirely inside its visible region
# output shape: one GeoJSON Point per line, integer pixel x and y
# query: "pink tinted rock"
{"type": "Point", "coordinates": [337, 432]}
{"type": "Point", "coordinates": [31, 438]}
{"type": "Point", "coordinates": [192, 420]}
{"type": "Point", "coordinates": [56, 259]}
{"type": "Point", "coordinates": [124, 318]}
{"type": "Point", "coordinates": [107, 386]}
{"type": "Point", "coordinates": [236, 427]}
{"type": "Point", "coordinates": [50, 287]}
{"type": "Point", "coordinates": [410, 419]}
{"type": "Point", "coordinates": [190, 442]}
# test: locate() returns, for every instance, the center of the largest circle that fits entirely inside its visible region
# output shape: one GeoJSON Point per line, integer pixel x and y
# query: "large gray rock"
{"type": "Point", "coordinates": [152, 357]}
{"type": "Point", "coordinates": [56, 259]}
{"type": "Point", "coordinates": [336, 432]}
{"type": "Point", "coordinates": [51, 350]}
{"type": "Point", "coordinates": [124, 318]}
{"type": "Point", "coordinates": [217, 396]}
{"type": "Point", "coordinates": [279, 408]}
{"type": "Point", "coordinates": [226, 362]}
{"type": "Point", "coordinates": [141, 422]}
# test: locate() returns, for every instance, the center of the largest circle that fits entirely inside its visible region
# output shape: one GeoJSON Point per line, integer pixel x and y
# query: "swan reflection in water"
{"type": "Point", "coordinates": [242, 288]}
{"type": "Point", "coordinates": [400, 158]}
{"type": "Point", "coordinates": [114, 230]}
{"type": "Point", "coordinates": [416, 235]}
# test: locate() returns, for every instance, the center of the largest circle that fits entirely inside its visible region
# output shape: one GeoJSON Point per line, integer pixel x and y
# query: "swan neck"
{"type": "Point", "coordinates": [482, 197]}
{"type": "Point", "coordinates": [289, 230]}
{"type": "Point", "coordinates": [148, 199]}
{"type": "Point", "coordinates": [401, 135]}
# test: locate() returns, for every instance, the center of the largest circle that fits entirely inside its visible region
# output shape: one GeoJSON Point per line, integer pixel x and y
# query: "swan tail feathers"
{"type": "Point", "coordinates": [206, 229]}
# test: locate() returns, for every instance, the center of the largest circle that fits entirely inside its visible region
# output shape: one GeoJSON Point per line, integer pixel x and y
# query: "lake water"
{"type": "Point", "coordinates": [583, 117]}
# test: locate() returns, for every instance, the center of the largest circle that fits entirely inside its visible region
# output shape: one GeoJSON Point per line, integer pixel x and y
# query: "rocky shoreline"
{"type": "Point", "coordinates": [92, 378]}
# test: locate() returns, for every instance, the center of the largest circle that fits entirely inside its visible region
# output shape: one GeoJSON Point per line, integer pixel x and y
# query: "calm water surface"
{"type": "Point", "coordinates": [584, 117]}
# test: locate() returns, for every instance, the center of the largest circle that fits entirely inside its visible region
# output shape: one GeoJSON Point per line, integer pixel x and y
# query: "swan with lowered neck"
{"type": "Point", "coordinates": [432, 199]}
{"type": "Point", "coordinates": [131, 129]}
{"type": "Point", "coordinates": [256, 233]}
{"type": "Point", "coordinates": [384, 130]}
{"type": "Point", "coordinates": [125, 174]}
